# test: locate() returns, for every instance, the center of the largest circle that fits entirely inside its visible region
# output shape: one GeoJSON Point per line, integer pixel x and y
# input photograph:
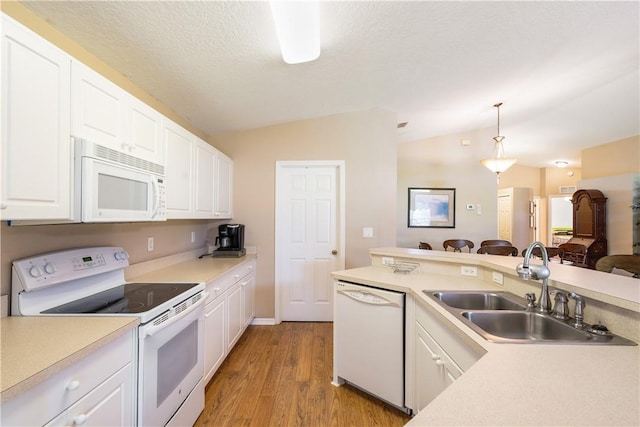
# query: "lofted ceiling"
{"type": "Point", "coordinates": [566, 72]}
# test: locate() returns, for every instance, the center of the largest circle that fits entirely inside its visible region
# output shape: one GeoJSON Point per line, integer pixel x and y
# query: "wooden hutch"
{"type": "Point", "coordinates": [590, 224]}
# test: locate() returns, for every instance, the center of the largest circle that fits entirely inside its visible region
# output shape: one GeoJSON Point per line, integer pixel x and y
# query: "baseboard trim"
{"type": "Point", "coordinates": [264, 321]}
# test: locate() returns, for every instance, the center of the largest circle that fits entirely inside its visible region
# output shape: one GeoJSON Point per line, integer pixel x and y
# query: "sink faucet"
{"type": "Point", "coordinates": [537, 272]}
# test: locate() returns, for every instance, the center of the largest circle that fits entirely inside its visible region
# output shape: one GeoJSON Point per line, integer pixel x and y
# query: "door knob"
{"type": "Point", "coordinates": [334, 252]}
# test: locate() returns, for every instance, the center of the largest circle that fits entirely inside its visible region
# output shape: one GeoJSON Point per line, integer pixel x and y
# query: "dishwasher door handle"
{"type": "Point", "coordinates": [367, 298]}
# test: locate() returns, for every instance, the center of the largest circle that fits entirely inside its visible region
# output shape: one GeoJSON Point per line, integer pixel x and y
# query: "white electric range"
{"type": "Point", "coordinates": [90, 282]}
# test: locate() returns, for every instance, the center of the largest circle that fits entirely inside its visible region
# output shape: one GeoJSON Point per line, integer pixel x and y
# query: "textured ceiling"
{"type": "Point", "coordinates": [567, 72]}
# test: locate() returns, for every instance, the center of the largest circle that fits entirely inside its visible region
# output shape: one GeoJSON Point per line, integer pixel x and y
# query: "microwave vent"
{"type": "Point", "coordinates": [103, 152]}
{"type": "Point", "coordinates": [568, 189]}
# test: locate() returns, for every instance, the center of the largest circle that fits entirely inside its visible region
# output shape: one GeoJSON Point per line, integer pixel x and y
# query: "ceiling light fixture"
{"type": "Point", "coordinates": [562, 164]}
{"type": "Point", "coordinates": [298, 29]}
{"type": "Point", "coordinates": [498, 163]}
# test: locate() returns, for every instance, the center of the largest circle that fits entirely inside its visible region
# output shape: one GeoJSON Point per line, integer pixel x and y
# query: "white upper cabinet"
{"type": "Point", "coordinates": [198, 177]}
{"type": "Point", "coordinates": [223, 187]}
{"type": "Point", "coordinates": [106, 114]}
{"type": "Point", "coordinates": [35, 158]}
{"type": "Point", "coordinates": [205, 163]}
{"type": "Point", "coordinates": [180, 146]}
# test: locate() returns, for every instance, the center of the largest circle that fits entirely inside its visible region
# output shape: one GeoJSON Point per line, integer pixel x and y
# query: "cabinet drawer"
{"type": "Point", "coordinates": [460, 348]}
{"type": "Point", "coordinates": [111, 403]}
{"type": "Point", "coordinates": [52, 396]}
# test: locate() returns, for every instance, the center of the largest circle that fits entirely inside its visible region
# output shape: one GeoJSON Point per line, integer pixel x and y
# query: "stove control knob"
{"type": "Point", "coordinates": [121, 255]}
{"type": "Point", "coordinates": [35, 271]}
{"type": "Point", "coordinates": [49, 268]}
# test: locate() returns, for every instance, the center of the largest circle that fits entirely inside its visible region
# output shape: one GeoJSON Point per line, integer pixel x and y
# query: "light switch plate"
{"type": "Point", "coordinates": [367, 232]}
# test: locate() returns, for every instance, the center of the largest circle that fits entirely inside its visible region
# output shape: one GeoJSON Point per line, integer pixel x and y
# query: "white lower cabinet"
{"type": "Point", "coordinates": [105, 405]}
{"type": "Point", "coordinates": [441, 356]}
{"type": "Point", "coordinates": [215, 348]}
{"type": "Point", "coordinates": [97, 390]}
{"type": "Point", "coordinates": [228, 312]}
{"type": "Point", "coordinates": [435, 370]}
{"type": "Point", "coordinates": [235, 319]}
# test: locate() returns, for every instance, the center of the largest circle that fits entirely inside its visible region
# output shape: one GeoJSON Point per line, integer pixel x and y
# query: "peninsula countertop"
{"type": "Point", "coordinates": [520, 384]}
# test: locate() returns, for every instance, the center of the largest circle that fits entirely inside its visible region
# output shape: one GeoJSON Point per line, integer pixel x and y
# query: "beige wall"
{"type": "Point", "coordinates": [521, 176]}
{"type": "Point", "coordinates": [613, 158]}
{"type": "Point", "coordinates": [614, 169]}
{"type": "Point", "coordinates": [421, 164]}
{"type": "Point", "coordinates": [366, 141]}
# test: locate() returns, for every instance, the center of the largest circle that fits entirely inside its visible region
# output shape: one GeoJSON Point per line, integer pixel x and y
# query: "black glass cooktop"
{"type": "Point", "coordinates": [127, 298]}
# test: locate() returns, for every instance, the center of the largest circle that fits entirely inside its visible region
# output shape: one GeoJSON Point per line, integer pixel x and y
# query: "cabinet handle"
{"type": "Point", "coordinates": [73, 385]}
{"type": "Point", "coordinates": [216, 289]}
{"type": "Point", "coordinates": [80, 419]}
{"type": "Point", "coordinates": [439, 362]}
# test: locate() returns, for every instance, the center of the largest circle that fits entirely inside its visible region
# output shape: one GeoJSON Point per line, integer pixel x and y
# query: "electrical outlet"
{"type": "Point", "coordinates": [193, 237]}
{"type": "Point", "coordinates": [367, 232]}
{"type": "Point", "coordinates": [470, 206]}
{"type": "Point", "coordinates": [468, 270]}
{"type": "Point", "coordinates": [497, 278]}
{"type": "Point", "coordinates": [386, 260]}
{"type": "Point", "coordinates": [149, 244]}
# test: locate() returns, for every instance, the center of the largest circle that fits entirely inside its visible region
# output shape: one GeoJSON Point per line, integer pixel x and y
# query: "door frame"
{"type": "Point", "coordinates": [340, 214]}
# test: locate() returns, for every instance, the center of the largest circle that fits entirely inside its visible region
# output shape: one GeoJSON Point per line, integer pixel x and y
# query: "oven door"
{"type": "Point", "coordinates": [171, 361]}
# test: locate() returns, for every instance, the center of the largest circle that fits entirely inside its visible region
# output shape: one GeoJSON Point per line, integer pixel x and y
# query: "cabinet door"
{"type": "Point", "coordinates": [235, 318]}
{"type": "Point", "coordinates": [248, 285]}
{"type": "Point", "coordinates": [180, 146]}
{"type": "Point", "coordinates": [98, 108]}
{"type": "Point", "coordinates": [430, 375]}
{"type": "Point", "coordinates": [205, 161]}
{"type": "Point", "coordinates": [223, 187]}
{"type": "Point", "coordinates": [214, 342]}
{"type": "Point", "coordinates": [111, 403]}
{"type": "Point", "coordinates": [36, 146]}
{"type": "Point", "coordinates": [144, 135]}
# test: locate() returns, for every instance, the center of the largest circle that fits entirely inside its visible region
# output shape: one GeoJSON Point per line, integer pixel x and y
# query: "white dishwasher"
{"type": "Point", "coordinates": [369, 341]}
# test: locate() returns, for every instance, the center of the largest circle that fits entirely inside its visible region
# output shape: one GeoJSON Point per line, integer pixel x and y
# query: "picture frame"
{"type": "Point", "coordinates": [431, 208]}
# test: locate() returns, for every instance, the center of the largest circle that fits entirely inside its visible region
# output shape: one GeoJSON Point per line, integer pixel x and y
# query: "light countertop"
{"type": "Point", "coordinates": [521, 384]}
{"type": "Point", "coordinates": [34, 348]}
{"type": "Point", "coordinates": [194, 270]}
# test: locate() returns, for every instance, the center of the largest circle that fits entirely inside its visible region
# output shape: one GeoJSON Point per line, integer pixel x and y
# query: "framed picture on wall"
{"type": "Point", "coordinates": [432, 208]}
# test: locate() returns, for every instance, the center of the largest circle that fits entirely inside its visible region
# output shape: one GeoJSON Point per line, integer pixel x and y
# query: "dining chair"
{"type": "Point", "coordinates": [498, 250]}
{"type": "Point", "coordinates": [458, 244]}
{"type": "Point", "coordinates": [425, 245]}
{"type": "Point", "coordinates": [629, 263]}
{"type": "Point", "coordinates": [575, 253]}
{"type": "Point", "coordinates": [496, 243]}
{"type": "Point", "coordinates": [552, 251]}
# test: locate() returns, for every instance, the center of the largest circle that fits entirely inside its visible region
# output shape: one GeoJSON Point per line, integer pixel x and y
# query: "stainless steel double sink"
{"type": "Point", "coordinates": [502, 317]}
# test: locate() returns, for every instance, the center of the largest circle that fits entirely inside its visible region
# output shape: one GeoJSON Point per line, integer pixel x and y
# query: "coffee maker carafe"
{"type": "Point", "coordinates": [230, 241]}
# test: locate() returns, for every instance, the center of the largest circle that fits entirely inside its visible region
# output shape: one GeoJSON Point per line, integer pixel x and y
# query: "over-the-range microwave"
{"type": "Point", "coordinates": [111, 186]}
{"type": "Point", "coordinates": [116, 186]}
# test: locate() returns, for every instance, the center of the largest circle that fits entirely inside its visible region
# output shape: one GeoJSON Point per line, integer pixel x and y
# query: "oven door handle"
{"type": "Point", "coordinates": [157, 328]}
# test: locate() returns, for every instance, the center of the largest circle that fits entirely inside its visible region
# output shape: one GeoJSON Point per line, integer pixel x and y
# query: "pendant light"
{"type": "Point", "coordinates": [498, 163]}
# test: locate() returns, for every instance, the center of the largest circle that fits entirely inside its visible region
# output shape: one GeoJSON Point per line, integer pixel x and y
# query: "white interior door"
{"type": "Point", "coordinates": [309, 220]}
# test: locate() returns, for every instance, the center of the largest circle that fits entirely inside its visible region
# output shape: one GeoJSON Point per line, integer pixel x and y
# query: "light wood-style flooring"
{"type": "Point", "coordinates": [281, 376]}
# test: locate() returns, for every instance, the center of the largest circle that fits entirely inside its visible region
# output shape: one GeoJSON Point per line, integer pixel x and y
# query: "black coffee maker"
{"type": "Point", "coordinates": [230, 241]}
